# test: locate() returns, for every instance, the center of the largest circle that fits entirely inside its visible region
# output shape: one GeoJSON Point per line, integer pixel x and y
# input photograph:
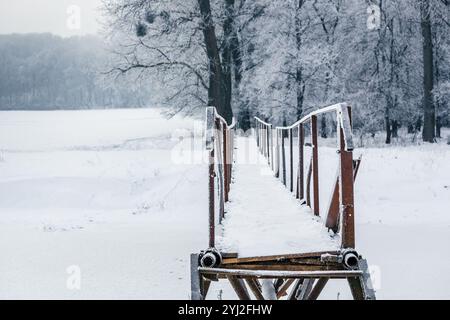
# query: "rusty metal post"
{"type": "Point", "coordinates": [315, 164]}
{"type": "Point", "coordinates": [225, 160]}
{"type": "Point", "coordinates": [277, 154]}
{"type": "Point", "coordinates": [257, 133]}
{"type": "Point", "coordinates": [263, 141]}
{"type": "Point", "coordinates": [268, 144]}
{"type": "Point", "coordinates": [211, 200]}
{"type": "Point", "coordinates": [229, 159]}
{"type": "Point", "coordinates": [308, 184]}
{"type": "Point", "coordinates": [301, 170]}
{"type": "Point", "coordinates": [283, 157]}
{"type": "Point", "coordinates": [271, 148]}
{"type": "Point", "coordinates": [346, 193]}
{"type": "Point", "coordinates": [291, 160]}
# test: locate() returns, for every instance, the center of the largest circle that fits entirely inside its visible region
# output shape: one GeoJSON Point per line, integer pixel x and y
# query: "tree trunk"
{"type": "Point", "coordinates": [226, 53]}
{"type": "Point", "coordinates": [323, 127]}
{"type": "Point", "coordinates": [388, 129]}
{"type": "Point", "coordinates": [217, 86]}
{"type": "Point", "coordinates": [395, 126]}
{"type": "Point", "coordinates": [438, 126]}
{"type": "Point", "coordinates": [300, 86]}
{"type": "Point", "coordinates": [428, 133]}
{"type": "Point", "coordinates": [235, 46]}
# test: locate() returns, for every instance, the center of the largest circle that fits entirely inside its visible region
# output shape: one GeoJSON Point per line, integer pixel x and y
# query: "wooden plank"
{"type": "Point", "coordinates": [284, 288]}
{"type": "Point", "coordinates": [255, 288]}
{"type": "Point", "coordinates": [278, 257]}
{"type": "Point", "coordinates": [318, 287]}
{"type": "Point", "coordinates": [356, 288]}
{"type": "Point", "coordinates": [239, 287]}
{"type": "Point", "coordinates": [282, 267]}
{"type": "Point", "coordinates": [266, 274]}
{"type": "Point", "coordinates": [229, 255]}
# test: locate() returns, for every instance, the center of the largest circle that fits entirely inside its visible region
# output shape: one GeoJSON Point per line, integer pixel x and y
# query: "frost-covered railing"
{"type": "Point", "coordinates": [220, 146]}
{"type": "Point", "coordinates": [271, 143]}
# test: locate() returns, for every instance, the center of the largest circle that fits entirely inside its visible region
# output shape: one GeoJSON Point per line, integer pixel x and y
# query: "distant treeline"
{"type": "Point", "coordinates": [44, 71]}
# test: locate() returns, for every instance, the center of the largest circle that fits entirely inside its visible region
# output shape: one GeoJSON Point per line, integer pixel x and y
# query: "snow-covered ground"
{"type": "Point", "coordinates": [114, 195]}
{"type": "Point", "coordinates": [105, 191]}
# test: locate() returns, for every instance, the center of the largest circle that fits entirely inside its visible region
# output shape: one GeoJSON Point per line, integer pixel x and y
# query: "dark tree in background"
{"type": "Point", "coordinates": [429, 112]}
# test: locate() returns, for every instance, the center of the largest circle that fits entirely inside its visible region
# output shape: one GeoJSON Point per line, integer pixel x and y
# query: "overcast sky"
{"type": "Point", "coordinates": [62, 17]}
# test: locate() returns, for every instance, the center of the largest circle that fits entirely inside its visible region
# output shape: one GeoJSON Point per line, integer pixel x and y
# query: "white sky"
{"type": "Point", "coordinates": [24, 16]}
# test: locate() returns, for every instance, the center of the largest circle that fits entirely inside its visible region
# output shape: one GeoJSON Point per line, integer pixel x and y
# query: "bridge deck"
{"type": "Point", "coordinates": [262, 217]}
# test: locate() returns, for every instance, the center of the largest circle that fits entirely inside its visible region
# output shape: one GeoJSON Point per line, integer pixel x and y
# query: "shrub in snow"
{"type": "Point", "coordinates": [141, 30]}
{"type": "Point", "coordinates": [150, 17]}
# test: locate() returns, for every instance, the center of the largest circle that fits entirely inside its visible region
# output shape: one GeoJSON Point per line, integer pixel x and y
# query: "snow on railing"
{"type": "Point", "coordinates": [220, 146]}
{"type": "Point", "coordinates": [271, 143]}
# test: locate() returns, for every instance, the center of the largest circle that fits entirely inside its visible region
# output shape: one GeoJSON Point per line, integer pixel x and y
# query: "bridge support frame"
{"type": "Point", "coordinates": [294, 276]}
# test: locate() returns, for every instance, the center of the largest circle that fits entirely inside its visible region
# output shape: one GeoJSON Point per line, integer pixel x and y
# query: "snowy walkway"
{"type": "Point", "coordinates": [263, 218]}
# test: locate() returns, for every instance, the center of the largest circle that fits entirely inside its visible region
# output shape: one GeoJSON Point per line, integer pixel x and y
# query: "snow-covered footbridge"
{"type": "Point", "coordinates": [274, 232]}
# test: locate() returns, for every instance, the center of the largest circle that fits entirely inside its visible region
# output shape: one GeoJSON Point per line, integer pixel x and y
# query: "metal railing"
{"type": "Point", "coordinates": [220, 146]}
{"type": "Point", "coordinates": [271, 143]}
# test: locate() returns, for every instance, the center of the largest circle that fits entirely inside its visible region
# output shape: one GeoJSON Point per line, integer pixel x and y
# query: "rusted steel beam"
{"type": "Point", "coordinates": [221, 168]}
{"type": "Point", "coordinates": [315, 165]}
{"type": "Point", "coordinates": [332, 221]}
{"type": "Point", "coordinates": [225, 161]}
{"type": "Point", "coordinates": [211, 176]}
{"type": "Point", "coordinates": [257, 133]}
{"type": "Point", "coordinates": [268, 144]}
{"type": "Point", "coordinates": [254, 286]}
{"type": "Point", "coordinates": [346, 194]}
{"type": "Point", "coordinates": [277, 153]}
{"type": "Point", "coordinates": [230, 158]}
{"type": "Point", "coordinates": [317, 290]}
{"type": "Point", "coordinates": [239, 287]}
{"type": "Point", "coordinates": [271, 150]}
{"type": "Point", "coordinates": [308, 184]}
{"type": "Point", "coordinates": [291, 160]}
{"type": "Point", "coordinates": [283, 158]}
{"type": "Point", "coordinates": [301, 171]}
